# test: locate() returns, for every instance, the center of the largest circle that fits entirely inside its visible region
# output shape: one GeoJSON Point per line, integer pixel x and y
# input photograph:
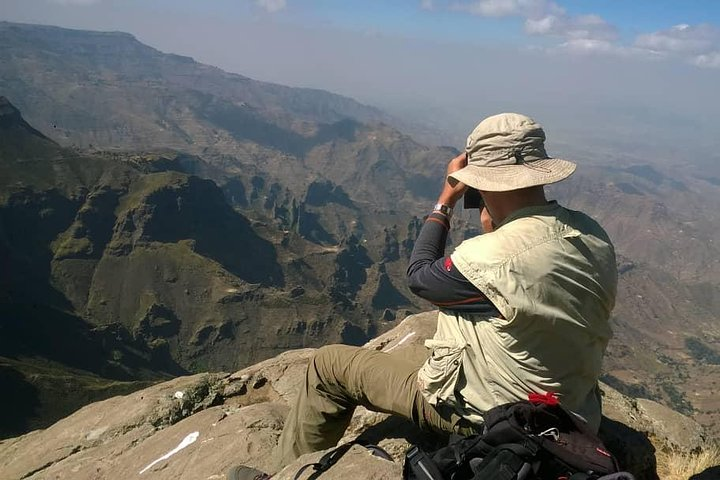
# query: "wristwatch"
{"type": "Point", "coordinates": [444, 209]}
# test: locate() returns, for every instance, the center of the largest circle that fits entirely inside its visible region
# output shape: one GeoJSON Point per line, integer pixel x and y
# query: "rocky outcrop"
{"type": "Point", "coordinates": [197, 427]}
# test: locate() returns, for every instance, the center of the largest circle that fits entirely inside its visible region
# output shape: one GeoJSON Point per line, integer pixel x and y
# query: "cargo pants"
{"type": "Point", "coordinates": [341, 377]}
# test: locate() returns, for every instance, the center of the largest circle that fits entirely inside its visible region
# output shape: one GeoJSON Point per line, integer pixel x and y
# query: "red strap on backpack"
{"type": "Point", "coordinates": [543, 398]}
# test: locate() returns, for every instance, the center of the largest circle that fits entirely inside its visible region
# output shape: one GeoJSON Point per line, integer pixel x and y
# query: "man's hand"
{"type": "Point", "coordinates": [450, 195]}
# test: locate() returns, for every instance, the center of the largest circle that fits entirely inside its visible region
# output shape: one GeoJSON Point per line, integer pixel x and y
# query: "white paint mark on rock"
{"type": "Point", "coordinates": [95, 433]}
{"type": "Point", "coordinates": [179, 395]}
{"type": "Point", "coordinates": [402, 340]}
{"type": "Point", "coordinates": [189, 440]}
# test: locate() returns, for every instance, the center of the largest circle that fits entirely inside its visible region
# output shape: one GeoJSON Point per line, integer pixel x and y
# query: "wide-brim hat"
{"type": "Point", "coordinates": [507, 152]}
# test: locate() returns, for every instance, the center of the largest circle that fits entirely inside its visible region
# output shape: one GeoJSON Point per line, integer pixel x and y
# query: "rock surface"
{"type": "Point", "coordinates": [197, 427]}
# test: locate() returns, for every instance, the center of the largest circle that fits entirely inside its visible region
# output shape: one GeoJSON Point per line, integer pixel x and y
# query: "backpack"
{"type": "Point", "coordinates": [537, 439]}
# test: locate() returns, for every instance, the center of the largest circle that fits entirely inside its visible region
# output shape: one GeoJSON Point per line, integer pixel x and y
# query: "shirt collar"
{"type": "Point", "coordinates": [546, 209]}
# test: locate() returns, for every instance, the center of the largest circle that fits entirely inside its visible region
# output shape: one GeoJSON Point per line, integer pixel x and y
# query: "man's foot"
{"type": "Point", "coordinates": [241, 472]}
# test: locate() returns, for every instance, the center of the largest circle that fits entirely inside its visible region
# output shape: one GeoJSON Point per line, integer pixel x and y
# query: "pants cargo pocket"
{"type": "Point", "coordinates": [439, 374]}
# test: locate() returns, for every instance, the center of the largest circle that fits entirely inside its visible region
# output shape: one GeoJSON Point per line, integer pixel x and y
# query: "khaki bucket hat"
{"type": "Point", "coordinates": [507, 152]}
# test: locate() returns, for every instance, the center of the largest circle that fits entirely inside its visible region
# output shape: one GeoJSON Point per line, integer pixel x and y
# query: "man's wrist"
{"type": "Point", "coordinates": [448, 198]}
{"type": "Point", "coordinates": [443, 209]}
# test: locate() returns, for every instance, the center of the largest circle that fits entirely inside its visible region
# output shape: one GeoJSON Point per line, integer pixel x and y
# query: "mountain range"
{"type": "Point", "coordinates": [174, 218]}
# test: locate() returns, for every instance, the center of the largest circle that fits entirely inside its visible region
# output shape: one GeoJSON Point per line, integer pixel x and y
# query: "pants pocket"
{"type": "Point", "coordinates": [439, 374]}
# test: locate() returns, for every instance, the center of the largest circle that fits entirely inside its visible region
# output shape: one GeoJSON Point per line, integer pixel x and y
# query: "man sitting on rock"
{"type": "Point", "coordinates": [523, 308]}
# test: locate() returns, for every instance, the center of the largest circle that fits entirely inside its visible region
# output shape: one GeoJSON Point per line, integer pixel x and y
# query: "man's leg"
{"type": "Point", "coordinates": [339, 378]}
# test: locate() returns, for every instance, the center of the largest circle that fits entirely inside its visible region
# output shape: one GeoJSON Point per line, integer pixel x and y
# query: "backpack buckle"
{"type": "Point", "coordinates": [553, 433]}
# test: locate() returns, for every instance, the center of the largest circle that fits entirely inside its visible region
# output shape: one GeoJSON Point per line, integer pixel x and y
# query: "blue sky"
{"type": "Point", "coordinates": [497, 21]}
{"type": "Point", "coordinates": [640, 72]}
{"type": "Point", "coordinates": [613, 26]}
{"type": "Point", "coordinates": [442, 19]}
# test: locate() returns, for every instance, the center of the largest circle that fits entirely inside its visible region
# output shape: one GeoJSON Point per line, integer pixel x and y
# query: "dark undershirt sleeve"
{"type": "Point", "coordinates": [432, 276]}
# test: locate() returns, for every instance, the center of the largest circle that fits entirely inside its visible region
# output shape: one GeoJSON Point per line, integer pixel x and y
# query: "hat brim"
{"type": "Point", "coordinates": [504, 178]}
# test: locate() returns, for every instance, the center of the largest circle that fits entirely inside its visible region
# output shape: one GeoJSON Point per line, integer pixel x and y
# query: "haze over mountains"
{"type": "Point", "coordinates": [172, 217]}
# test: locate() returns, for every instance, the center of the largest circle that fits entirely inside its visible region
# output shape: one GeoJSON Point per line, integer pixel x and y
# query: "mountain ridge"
{"type": "Point", "coordinates": [311, 104]}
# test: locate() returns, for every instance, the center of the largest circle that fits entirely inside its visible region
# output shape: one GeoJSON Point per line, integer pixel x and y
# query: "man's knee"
{"type": "Point", "coordinates": [327, 362]}
{"type": "Point", "coordinates": [328, 355]}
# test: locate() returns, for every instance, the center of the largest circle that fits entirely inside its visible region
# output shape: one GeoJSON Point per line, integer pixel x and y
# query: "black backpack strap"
{"type": "Point", "coordinates": [419, 466]}
{"type": "Point", "coordinates": [333, 456]}
{"type": "Point", "coordinates": [506, 462]}
{"type": "Point", "coordinates": [474, 445]}
{"type": "Point", "coordinates": [582, 476]}
{"type": "Point", "coordinates": [612, 476]}
{"type": "Point", "coordinates": [618, 476]}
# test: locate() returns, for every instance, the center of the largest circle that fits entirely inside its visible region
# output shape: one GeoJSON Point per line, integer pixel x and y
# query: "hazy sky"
{"type": "Point", "coordinates": [641, 75]}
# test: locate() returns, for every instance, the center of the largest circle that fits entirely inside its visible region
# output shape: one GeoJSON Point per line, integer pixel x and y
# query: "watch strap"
{"type": "Point", "coordinates": [444, 209]}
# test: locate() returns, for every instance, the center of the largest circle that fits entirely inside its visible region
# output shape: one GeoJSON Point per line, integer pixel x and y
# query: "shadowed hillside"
{"type": "Point", "coordinates": [123, 267]}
